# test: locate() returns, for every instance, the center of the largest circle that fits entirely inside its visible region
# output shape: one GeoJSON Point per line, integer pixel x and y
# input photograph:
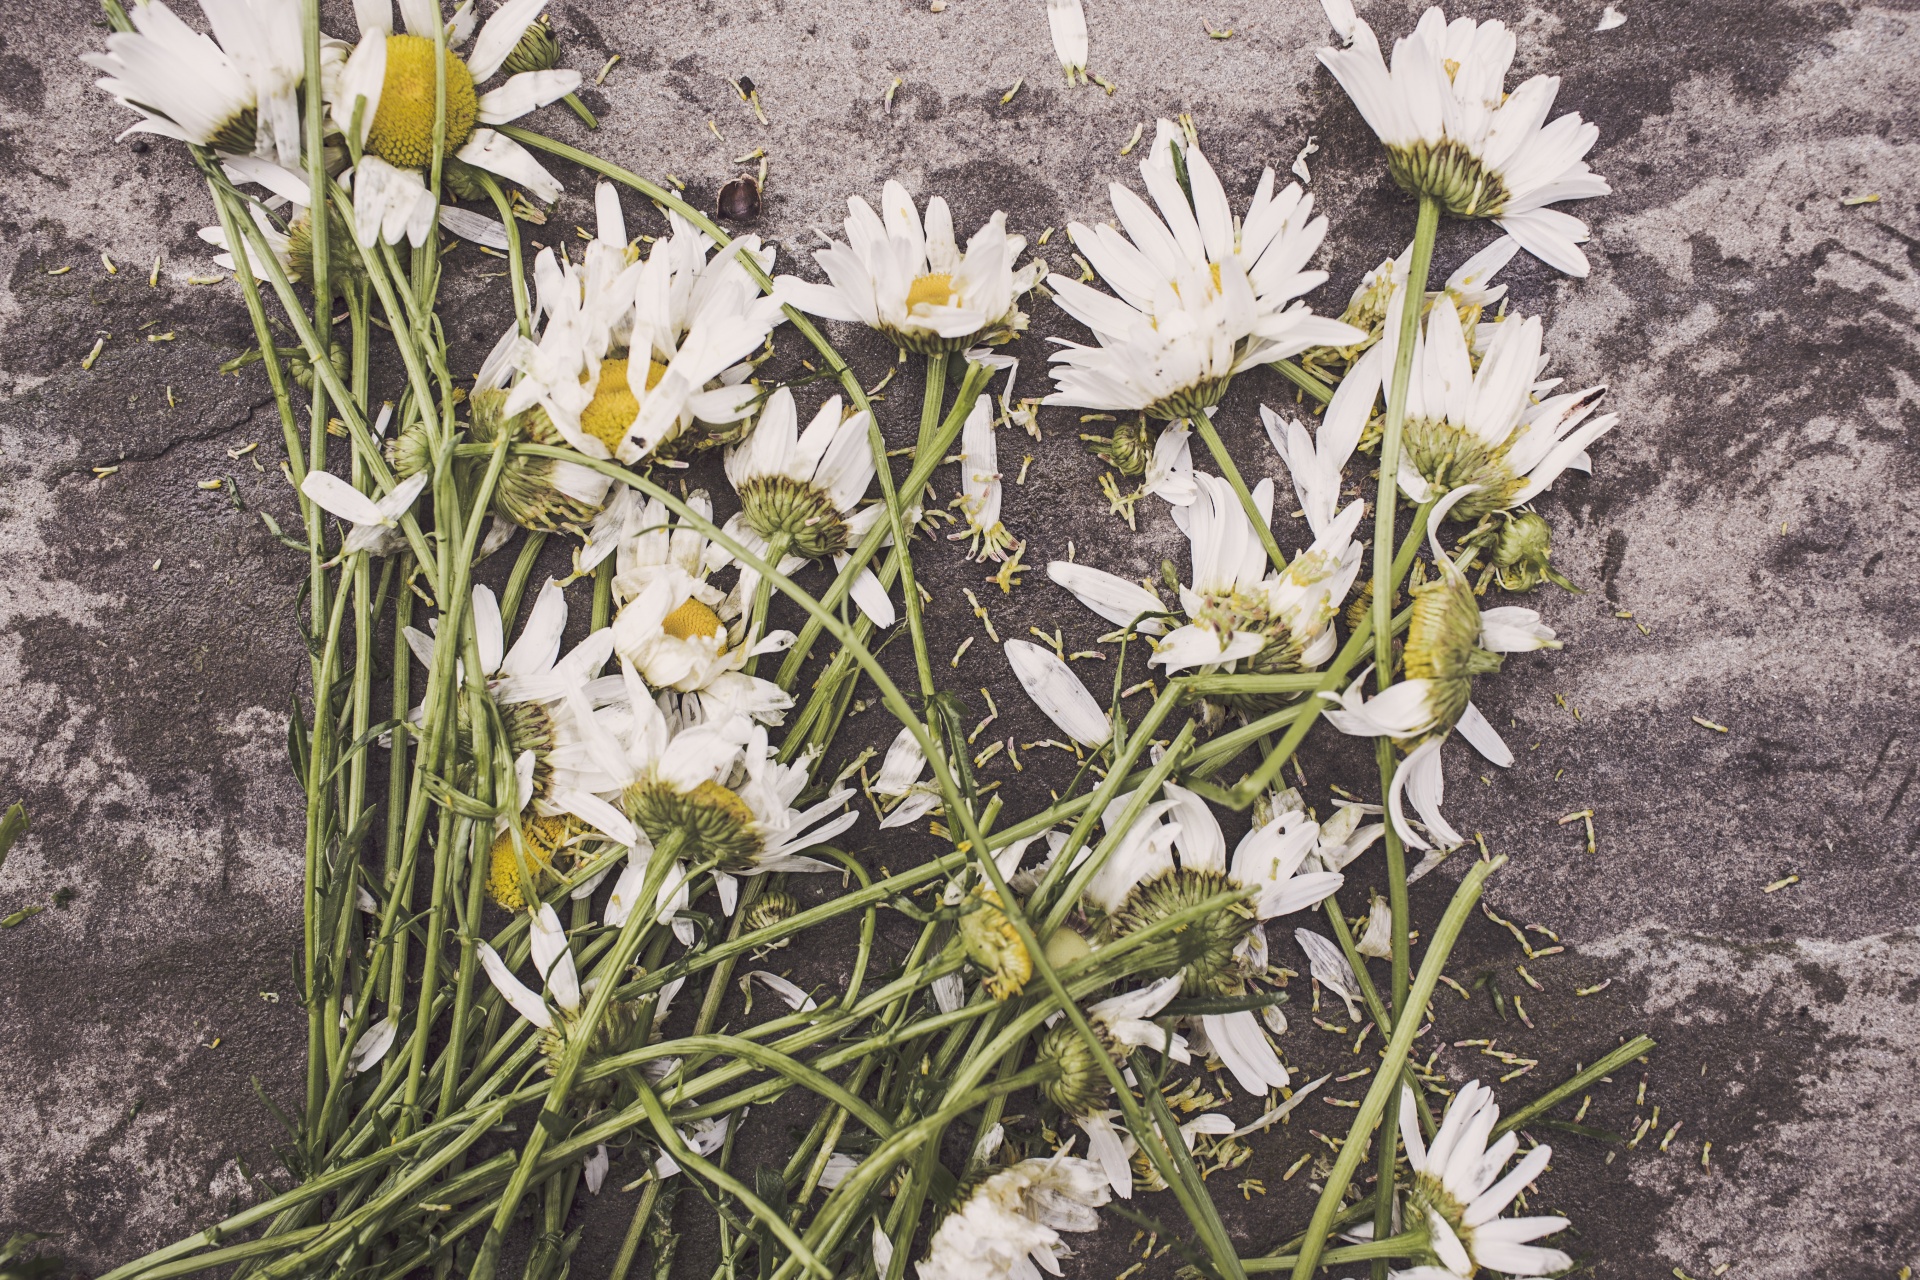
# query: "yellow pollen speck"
{"type": "Point", "coordinates": [614, 406]}
{"type": "Point", "coordinates": [692, 619]}
{"type": "Point", "coordinates": [935, 290]}
{"type": "Point", "coordinates": [1215, 268]}
{"type": "Point", "coordinates": [402, 128]}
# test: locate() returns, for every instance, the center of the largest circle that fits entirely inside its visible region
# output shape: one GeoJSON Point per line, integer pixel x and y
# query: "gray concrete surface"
{"type": "Point", "coordinates": [1754, 511]}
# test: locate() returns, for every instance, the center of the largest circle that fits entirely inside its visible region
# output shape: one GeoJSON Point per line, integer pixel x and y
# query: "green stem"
{"type": "Point", "coordinates": [1386, 1078]}
{"type": "Point", "coordinates": [1637, 1047]}
{"type": "Point", "coordinates": [1224, 460]}
{"type": "Point", "coordinates": [1299, 377]}
{"type": "Point", "coordinates": [579, 1035]}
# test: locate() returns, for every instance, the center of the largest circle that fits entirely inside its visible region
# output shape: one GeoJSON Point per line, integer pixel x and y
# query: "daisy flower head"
{"type": "Point", "coordinates": [802, 489]}
{"type": "Point", "coordinates": [637, 357]}
{"type": "Point", "coordinates": [1459, 1193]}
{"type": "Point", "coordinates": [236, 91]}
{"type": "Point", "coordinates": [383, 101]}
{"type": "Point", "coordinates": [528, 683]}
{"type": "Point", "coordinates": [1121, 1023]}
{"type": "Point", "coordinates": [909, 279]}
{"type": "Point", "coordinates": [1241, 616]}
{"type": "Point", "coordinates": [1450, 640]}
{"type": "Point", "coordinates": [1454, 134]}
{"type": "Point", "coordinates": [1142, 884]}
{"type": "Point", "coordinates": [679, 631]}
{"type": "Point", "coordinates": [1200, 294]}
{"type": "Point", "coordinates": [713, 785]}
{"type": "Point", "coordinates": [1473, 420]}
{"type": "Point", "coordinates": [1011, 1223]}
{"type": "Point", "coordinates": [1470, 289]}
{"type": "Point", "coordinates": [557, 1006]}
{"type": "Point", "coordinates": [548, 495]}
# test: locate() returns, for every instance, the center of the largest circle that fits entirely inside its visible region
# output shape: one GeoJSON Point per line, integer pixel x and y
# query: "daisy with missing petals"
{"type": "Point", "coordinates": [1079, 1085]}
{"type": "Point", "coordinates": [677, 630]}
{"type": "Point", "coordinates": [800, 491]}
{"type": "Point", "coordinates": [1242, 617]}
{"type": "Point", "coordinates": [556, 1012]}
{"type": "Point", "coordinates": [716, 786]}
{"type": "Point", "coordinates": [1449, 641]}
{"type": "Point", "coordinates": [910, 281]}
{"type": "Point", "coordinates": [1470, 288]}
{"type": "Point", "coordinates": [383, 101]}
{"type": "Point", "coordinates": [1200, 296]}
{"type": "Point", "coordinates": [1456, 1194]}
{"type": "Point", "coordinates": [1011, 1223]}
{"type": "Point", "coordinates": [1454, 134]}
{"type": "Point", "coordinates": [236, 92]}
{"type": "Point", "coordinates": [647, 357]}
{"type": "Point", "coordinates": [1142, 884]}
{"type": "Point", "coordinates": [528, 682]}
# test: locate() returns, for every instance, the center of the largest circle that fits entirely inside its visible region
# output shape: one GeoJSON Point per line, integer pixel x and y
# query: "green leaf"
{"type": "Point", "coordinates": [297, 740]}
{"type": "Point", "coordinates": [20, 916]}
{"type": "Point", "coordinates": [12, 827]}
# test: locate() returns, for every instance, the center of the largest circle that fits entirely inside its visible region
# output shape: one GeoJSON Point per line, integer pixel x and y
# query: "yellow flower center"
{"type": "Point", "coordinates": [992, 944]}
{"type": "Point", "coordinates": [402, 129]}
{"type": "Point", "coordinates": [543, 837]}
{"type": "Point", "coordinates": [692, 619]}
{"type": "Point", "coordinates": [935, 290]}
{"type": "Point", "coordinates": [614, 406]}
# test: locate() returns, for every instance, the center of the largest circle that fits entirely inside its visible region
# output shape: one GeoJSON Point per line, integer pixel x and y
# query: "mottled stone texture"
{"type": "Point", "coordinates": [1750, 513]}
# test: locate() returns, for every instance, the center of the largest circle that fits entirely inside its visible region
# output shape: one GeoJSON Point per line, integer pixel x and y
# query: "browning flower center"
{"type": "Point", "coordinates": [402, 129]}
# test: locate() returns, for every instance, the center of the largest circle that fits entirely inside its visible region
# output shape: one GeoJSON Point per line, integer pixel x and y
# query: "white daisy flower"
{"type": "Point", "coordinates": [383, 100]}
{"type": "Point", "coordinates": [910, 281]}
{"type": "Point", "coordinates": [805, 489]}
{"type": "Point", "coordinates": [375, 522]}
{"type": "Point", "coordinates": [1449, 641]}
{"type": "Point", "coordinates": [716, 784]}
{"type": "Point", "coordinates": [696, 321]}
{"type": "Point", "coordinates": [528, 682]}
{"type": "Point", "coordinates": [1011, 1223]}
{"type": "Point", "coordinates": [1141, 883]}
{"type": "Point", "coordinates": [1241, 616]}
{"type": "Point", "coordinates": [1477, 423]}
{"type": "Point", "coordinates": [237, 92]}
{"type": "Point", "coordinates": [1050, 682]}
{"type": "Point", "coordinates": [1452, 131]}
{"type": "Point", "coordinates": [980, 484]}
{"type": "Point", "coordinates": [1458, 1190]}
{"type": "Point", "coordinates": [1200, 296]}
{"type": "Point", "coordinates": [677, 630]}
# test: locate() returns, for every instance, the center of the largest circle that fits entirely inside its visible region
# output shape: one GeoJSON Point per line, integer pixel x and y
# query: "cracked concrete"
{"type": "Point", "coordinates": [1753, 513]}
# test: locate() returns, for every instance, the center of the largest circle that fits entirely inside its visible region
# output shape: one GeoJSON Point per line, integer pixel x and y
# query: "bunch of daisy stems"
{"type": "Point", "coordinates": [453, 1113]}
